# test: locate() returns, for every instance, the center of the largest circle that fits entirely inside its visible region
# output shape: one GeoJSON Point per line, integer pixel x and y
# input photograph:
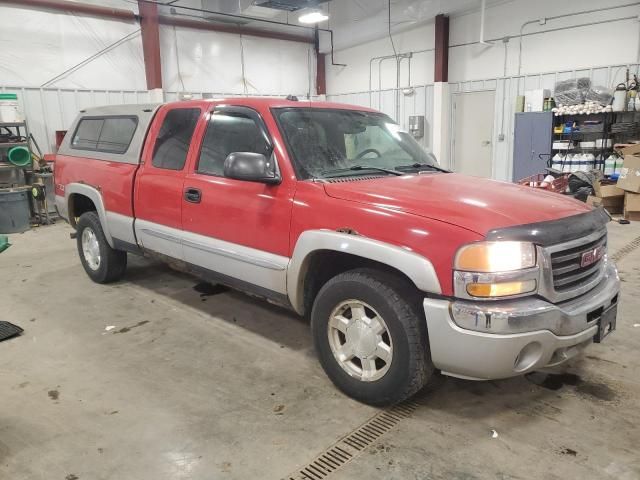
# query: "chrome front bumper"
{"type": "Point", "coordinates": [489, 340]}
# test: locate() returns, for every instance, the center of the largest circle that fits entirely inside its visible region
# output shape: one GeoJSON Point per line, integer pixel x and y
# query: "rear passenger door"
{"type": "Point", "coordinates": [159, 183]}
{"type": "Point", "coordinates": [234, 227]}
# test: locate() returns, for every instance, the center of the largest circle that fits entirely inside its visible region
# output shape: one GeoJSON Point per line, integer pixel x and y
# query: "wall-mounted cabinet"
{"type": "Point", "coordinates": [532, 143]}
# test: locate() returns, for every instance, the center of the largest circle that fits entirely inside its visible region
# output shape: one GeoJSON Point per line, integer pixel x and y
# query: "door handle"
{"type": "Point", "coordinates": [192, 195]}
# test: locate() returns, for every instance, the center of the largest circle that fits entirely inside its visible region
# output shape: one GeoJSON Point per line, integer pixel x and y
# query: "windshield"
{"type": "Point", "coordinates": [327, 143]}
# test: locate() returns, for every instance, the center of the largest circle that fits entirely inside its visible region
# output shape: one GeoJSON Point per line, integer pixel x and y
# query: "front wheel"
{"type": "Point", "coordinates": [370, 337]}
{"type": "Point", "coordinates": [102, 263]}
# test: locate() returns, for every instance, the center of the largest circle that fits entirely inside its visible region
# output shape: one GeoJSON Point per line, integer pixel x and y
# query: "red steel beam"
{"type": "Point", "coordinates": [150, 31]}
{"type": "Point", "coordinates": [75, 7]}
{"type": "Point", "coordinates": [321, 77]}
{"type": "Point", "coordinates": [441, 72]}
{"type": "Point", "coordinates": [216, 27]}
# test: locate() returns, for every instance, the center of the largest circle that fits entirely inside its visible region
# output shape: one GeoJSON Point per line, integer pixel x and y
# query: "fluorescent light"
{"type": "Point", "coordinates": [313, 17]}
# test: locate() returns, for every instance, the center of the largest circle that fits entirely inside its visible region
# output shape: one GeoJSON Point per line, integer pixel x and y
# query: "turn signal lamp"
{"type": "Point", "coordinates": [500, 289]}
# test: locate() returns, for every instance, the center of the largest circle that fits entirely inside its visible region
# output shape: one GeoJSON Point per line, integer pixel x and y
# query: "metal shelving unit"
{"type": "Point", "coordinates": [18, 130]}
{"type": "Point", "coordinates": [16, 177]}
{"type": "Point", "coordinates": [577, 136]}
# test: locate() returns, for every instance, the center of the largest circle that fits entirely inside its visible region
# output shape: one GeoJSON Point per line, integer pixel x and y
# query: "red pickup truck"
{"type": "Point", "coordinates": [335, 212]}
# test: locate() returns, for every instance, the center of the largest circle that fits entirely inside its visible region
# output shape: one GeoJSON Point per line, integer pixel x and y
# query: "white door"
{"type": "Point", "coordinates": [473, 133]}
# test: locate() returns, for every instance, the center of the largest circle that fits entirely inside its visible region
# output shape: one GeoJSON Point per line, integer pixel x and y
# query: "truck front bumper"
{"type": "Point", "coordinates": [500, 339]}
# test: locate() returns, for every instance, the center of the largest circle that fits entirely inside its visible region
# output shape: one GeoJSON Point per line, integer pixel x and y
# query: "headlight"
{"type": "Point", "coordinates": [489, 270]}
{"type": "Point", "coordinates": [491, 257]}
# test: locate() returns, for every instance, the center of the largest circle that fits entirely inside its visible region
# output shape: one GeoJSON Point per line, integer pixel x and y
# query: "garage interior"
{"type": "Point", "coordinates": [163, 376]}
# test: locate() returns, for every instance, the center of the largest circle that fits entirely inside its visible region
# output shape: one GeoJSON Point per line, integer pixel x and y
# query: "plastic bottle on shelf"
{"type": "Point", "coordinates": [575, 162]}
{"type": "Point", "coordinates": [609, 165]}
{"type": "Point", "coordinates": [556, 161]}
{"type": "Point", "coordinates": [568, 160]}
{"type": "Point", "coordinates": [599, 165]}
{"type": "Point", "coordinates": [618, 165]}
{"type": "Point", "coordinates": [582, 164]}
{"type": "Point", "coordinates": [589, 162]}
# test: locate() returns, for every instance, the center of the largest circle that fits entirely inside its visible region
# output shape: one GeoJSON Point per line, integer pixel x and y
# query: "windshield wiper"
{"type": "Point", "coordinates": [415, 166]}
{"type": "Point", "coordinates": [356, 168]}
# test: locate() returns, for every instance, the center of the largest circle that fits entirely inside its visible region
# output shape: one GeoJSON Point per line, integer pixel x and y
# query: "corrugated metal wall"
{"type": "Point", "coordinates": [51, 109]}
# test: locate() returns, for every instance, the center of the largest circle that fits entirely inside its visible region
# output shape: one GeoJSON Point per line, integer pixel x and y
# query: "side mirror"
{"type": "Point", "coordinates": [252, 167]}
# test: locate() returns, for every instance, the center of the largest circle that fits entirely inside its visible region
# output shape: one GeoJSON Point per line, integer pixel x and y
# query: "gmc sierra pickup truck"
{"type": "Point", "coordinates": [334, 211]}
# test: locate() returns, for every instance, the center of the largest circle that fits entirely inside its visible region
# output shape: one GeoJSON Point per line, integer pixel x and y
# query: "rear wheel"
{"type": "Point", "coordinates": [370, 337]}
{"type": "Point", "coordinates": [102, 263]}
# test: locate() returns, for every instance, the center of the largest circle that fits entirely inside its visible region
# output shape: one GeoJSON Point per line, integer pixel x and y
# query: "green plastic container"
{"type": "Point", "coordinates": [8, 96]}
{"type": "Point", "coordinates": [4, 243]}
{"type": "Point", "coordinates": [19, 156]}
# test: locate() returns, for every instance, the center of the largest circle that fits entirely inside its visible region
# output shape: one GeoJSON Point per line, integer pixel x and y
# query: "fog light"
{"type": "Point", "coordinates": [500, 289]}
{"type": "Point", "coordinates": [528, 357]}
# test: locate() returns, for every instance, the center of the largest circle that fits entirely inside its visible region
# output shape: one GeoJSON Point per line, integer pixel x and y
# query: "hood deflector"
{"type": "Point", "coordinates": [554, 231]}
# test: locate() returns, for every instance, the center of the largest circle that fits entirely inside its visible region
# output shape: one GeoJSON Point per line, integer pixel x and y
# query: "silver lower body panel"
{"type": "Point", "coordinates": [492, 340]}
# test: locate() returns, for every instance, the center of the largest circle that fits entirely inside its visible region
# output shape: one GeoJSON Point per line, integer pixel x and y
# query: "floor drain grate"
{"type": "Point", "coordinates": [626, 250]}
{"type": "Point", "coordinates": [349, 446]}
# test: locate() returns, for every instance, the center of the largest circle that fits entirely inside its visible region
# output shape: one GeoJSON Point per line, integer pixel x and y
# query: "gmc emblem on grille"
{"type": "Point", "coordinates": [592, 256]}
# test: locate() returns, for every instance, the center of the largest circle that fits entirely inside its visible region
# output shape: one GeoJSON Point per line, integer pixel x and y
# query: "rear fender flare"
{"type": "Point", "coordinates": [418, 268]}
{"type": "Point", "coordinates": [96, 197]}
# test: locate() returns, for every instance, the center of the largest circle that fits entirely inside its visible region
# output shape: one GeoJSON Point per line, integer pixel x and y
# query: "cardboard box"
{"type": "Point", "coordinates": [607, 191]}
{"type": "Point", "coordinates": [629, 179]}
{"type": "Point", "coordinates": [632, 206]}
{"type": "Point", "coordinates": [612, 205]}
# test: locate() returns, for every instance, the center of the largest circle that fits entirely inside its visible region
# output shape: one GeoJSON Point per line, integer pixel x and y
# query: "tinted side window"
{"type": "Point", "coordinates": [172, 144]}
{"type": "Point", "coordinates": [105, 134]}
{"type": "Point", "coordinates": [87, 134]}
{"type": "Point", "coordinates": [116, 134]}
{"type": "Point", "coordinates": [229, 132]}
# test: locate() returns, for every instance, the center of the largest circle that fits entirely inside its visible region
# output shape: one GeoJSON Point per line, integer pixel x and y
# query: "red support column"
{"type": "Point", "coordinates": [441, 70]}
{"type": "Point", "coordinates": [321, 76]}
{"type": "Point", "coordinates": [151, 44]}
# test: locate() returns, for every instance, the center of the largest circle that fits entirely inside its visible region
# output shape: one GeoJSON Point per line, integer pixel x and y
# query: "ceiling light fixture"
{"type": "Point", "coordinates": [313, 17]}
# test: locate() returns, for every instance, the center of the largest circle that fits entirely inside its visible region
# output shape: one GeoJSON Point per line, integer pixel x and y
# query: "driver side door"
{"type": "Point", "coordinates": [235, 228]}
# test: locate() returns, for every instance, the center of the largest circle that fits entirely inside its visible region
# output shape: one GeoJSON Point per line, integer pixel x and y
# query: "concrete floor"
{"type": "Point", "coordinates": [227, 387]}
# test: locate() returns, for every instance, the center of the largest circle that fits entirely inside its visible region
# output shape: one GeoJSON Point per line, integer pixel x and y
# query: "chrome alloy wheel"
{"type": "Point", "coordinates": [91, 248]}
{"type": "Point", "coordinates": [360, 340]}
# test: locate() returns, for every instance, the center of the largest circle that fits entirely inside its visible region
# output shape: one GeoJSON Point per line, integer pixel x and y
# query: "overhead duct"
{"type": "Point", "coordinates": [224, 8]}
{"type": "Point", "coordinates": [289, 5]}
{"type": "Point", "coordinates": [267, 9]}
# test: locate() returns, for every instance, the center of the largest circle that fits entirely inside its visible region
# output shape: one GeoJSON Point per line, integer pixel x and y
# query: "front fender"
{"type": "Point", "coordinates": [418, 268]}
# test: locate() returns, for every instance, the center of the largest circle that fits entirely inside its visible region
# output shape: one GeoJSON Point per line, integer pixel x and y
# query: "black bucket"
{"type": "Point", "coordinates": [14, 210]}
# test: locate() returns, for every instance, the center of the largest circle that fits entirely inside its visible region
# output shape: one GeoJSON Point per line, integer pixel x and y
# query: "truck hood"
{"type": "Point", "coordinates": [473, 203]}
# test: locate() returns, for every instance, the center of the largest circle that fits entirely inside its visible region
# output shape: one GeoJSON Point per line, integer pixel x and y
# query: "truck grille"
{"type": "Point", "coordinates": [578, 266]}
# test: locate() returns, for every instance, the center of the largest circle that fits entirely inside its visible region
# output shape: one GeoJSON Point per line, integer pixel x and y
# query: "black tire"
{"type": "Point", "coordinates": [397, 302]}
{"type": "Point", "coordinates": [112, 263]}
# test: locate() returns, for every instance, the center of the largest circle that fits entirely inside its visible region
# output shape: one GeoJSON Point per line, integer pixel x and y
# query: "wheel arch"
{"type": "Point", "coordinates": [79, 198]}
{"type": "Point", "coordinates": [336, 252]}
